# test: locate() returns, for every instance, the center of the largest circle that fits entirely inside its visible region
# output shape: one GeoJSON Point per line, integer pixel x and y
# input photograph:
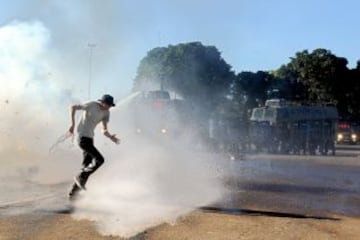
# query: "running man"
{"type": "Point", "coordinates": [93, 113]}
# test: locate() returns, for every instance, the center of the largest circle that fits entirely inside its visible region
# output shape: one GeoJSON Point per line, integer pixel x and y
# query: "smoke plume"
{"type": "Point", "coordinates": [144, 182]}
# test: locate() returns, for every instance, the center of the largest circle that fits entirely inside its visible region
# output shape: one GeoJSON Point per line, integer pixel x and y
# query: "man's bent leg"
{"type": "Point", "coordinates": [91, 162]}
{"type": "Point", "coordinates": [90, 152]}
{"type": "Point", "coordinates": [88, 146]}
{"type": "Point", "coordinates": [87, 158]}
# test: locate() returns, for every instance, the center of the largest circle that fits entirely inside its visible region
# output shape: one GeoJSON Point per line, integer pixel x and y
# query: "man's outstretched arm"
{"type": "Point", "coordinates": [109, 135]}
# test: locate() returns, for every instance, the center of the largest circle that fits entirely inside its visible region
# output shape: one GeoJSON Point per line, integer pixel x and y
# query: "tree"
{"type": "Point", "coordinates": [322, 73]}
{"type": "Point", "coordinates": [352, 96]}
{"type": "Point", "coordinates": [251, 88]}
{"type": "Point", "coordinates": [286, 79]}
{"type": "Point", "coordinates": [321, 77]}
{"type": "Point", "coordinates": [196, 72]}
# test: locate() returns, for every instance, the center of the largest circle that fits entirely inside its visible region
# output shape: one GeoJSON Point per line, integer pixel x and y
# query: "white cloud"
{"type": "Point", "coordinates": [32, 103]}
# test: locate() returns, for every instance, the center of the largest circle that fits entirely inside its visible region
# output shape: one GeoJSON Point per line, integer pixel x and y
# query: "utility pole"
{"type": "Point", "coordinates": [91, 47]}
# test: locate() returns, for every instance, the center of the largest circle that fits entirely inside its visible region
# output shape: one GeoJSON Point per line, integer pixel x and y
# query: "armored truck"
{"type": "Point", "coordinates": [279, 127]}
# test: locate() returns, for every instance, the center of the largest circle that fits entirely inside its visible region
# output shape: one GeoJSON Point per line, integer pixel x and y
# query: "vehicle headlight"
{"type": "Point", "coordinates": [163, 130]}
{"type": "Point", "coordinates": [340, 136]}
{"type": "Point", "coordinates": [353, 136]}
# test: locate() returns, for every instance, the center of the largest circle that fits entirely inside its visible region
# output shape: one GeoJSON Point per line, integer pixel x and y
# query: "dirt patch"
{"type": "Point", "coordinates": [198, 225]}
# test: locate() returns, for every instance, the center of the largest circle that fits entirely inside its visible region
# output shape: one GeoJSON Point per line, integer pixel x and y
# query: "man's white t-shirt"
{"type": "Point", "coordinates": [91, 116]}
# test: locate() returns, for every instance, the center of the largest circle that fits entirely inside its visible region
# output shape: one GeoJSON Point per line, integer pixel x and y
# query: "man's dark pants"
{"type": "Point", "coordinates": [91, 162]}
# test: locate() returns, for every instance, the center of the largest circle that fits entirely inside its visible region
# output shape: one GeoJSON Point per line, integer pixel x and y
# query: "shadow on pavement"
{"type": "Point", "coordinates": [238, 211]}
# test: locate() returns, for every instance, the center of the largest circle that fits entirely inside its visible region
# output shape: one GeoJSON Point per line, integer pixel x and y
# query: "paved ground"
{"type": "Point", "coordinates": [198, 225]}
{"type": "Point", "coordinates": [271, 197]}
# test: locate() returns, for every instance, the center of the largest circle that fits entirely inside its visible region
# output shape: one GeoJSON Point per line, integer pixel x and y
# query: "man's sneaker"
{"type": "Point", "coordinates": [74, 193]}
{"type": "Point", "coordinates": [80, 182]}
{"type": "Point", "coordinates": [73, 196]}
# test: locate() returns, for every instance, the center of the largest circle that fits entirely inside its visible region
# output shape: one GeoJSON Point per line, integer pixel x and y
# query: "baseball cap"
{"type": "Point", "coordinates": [107, 99]}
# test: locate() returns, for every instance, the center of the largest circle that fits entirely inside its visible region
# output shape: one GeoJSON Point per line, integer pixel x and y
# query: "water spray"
{"type": "Point", "coordinates": [60, 140]}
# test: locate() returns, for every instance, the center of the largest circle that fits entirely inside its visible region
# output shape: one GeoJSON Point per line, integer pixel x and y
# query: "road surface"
{"type": "Point", "coordinates": [270, 197]}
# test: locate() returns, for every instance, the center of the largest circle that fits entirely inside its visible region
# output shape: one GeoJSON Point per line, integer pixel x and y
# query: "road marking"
{"type": "Point", "coordinates": [25, 201]}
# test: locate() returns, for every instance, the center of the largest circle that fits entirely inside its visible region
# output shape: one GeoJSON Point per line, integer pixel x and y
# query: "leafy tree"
{"type": "Point", "coordinates": [352, 95]}
{"type": "Point", "coordinates": [320, 77]}
{"type": "Point", "coordinates": [357, 69]}
{"type": "Point", "coordinates": [287, 81]}
{"type": "Point", "coordinates": [196, 72]}
{"type": "Point", "coordinates": [199, 74]}
{"type": "Point", "coordinates": [322, 74]}
{"type": "Point", "coordinates": [251, 88]}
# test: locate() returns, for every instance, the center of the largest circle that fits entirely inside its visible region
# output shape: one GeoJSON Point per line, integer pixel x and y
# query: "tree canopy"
{"type": "Point", "coordinates": [251, 88]}
{"type": "Point", "coordinates": [320, 72]}
{"type": "Point", "coordinates": [321, 77]}
{"type": "Point", "coordinates": [199, 73]}
{"type": "Point", "coordinates": [194, 71]}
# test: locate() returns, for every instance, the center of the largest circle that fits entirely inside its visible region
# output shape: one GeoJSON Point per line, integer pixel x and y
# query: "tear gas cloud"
{"type": "Point", "coordinates": [144, 182]}
{"type": "Point", "coordinates": [31, 100]}
{"type": "Point", "coordinates": [147, 180]}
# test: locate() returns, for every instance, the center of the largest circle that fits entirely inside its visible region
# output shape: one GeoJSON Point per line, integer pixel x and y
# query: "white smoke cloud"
{"type": "Point", "coordinates": [147, 180]}
{"type": "Point", "coordinates": [144, 182]}
{"type": "Point", "coordinates": [32, 103]}
{"type": "Point", "coordinates": [22, 50]}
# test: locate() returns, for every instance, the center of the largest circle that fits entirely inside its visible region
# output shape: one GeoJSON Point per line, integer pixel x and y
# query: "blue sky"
{"type": "Point", "coordinates": [251, 34]}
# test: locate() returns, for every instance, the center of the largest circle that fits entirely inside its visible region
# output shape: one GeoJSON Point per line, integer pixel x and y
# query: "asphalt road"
{"type": "Point", "coordinates": [314, 186]}
{"type": "Point", "coordinates": [291, 184]}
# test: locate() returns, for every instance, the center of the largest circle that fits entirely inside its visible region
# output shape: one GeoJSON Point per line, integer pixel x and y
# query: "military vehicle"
{"type": "Point", "coordinates": [279, 127]}
{"type": "Point", "coordinates": [156, 114]}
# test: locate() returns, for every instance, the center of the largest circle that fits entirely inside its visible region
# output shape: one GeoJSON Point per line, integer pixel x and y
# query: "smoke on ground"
{"type": "Point", "coordinates": [147, 180]}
